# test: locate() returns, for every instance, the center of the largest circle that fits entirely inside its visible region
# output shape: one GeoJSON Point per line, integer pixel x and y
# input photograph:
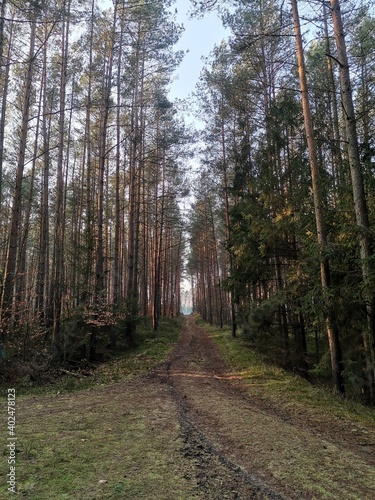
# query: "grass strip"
{"type": "Point", "coordinates": [275, 385]}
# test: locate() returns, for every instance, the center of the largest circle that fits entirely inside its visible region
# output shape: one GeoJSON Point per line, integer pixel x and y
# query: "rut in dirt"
{"type": "Point", "coordinates": [196, 365]}
{"type": "Point", "coordinates": [243, 447]}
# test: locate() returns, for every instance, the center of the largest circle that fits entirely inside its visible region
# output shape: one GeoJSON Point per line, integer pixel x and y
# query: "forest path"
{"type": "Point", "coordinates": [191, 428]}
{"type": "Point", "coordinates": [244, 448]}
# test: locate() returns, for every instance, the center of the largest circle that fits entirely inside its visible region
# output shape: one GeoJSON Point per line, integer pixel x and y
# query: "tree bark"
{"type": "Point", "coordinates": [337, 364]}
{"type": "Point", "coordinates": [5, 78]}
{"type": "Point", "coordinates": [99, 281]}
{"type": "Point", "coordinates": [359, 196]}
{"type": "Point", "coordinates": [228, 231]}
{"type": "Point", "coordinates": [12, 248]}
{"type": "Point", "coordinates": [43, 275]}
{"type": "Point", "coordinates": [57, 282]}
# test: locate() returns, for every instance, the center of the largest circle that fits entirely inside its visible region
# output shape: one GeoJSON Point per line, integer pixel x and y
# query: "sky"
{"type": "Point", "coordinates": [199, 38]}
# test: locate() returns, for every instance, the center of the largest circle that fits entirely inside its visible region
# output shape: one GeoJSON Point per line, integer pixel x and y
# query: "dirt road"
{"type": "Point", "coordinates": [190, 429]}
{"type": "Point", "coordinates": [244, 448]}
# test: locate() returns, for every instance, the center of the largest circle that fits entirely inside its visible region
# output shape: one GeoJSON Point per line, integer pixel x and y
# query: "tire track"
{"type": "Point", "coordinates": [217, 476]}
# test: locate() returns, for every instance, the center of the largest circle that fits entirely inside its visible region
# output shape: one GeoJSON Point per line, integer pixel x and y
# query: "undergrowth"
{"type": "Point", "coordinates": [107, 441]}
{"type": "Point", "coordinates": [150, 349]}
{"type": "Point", "coordinates": [275, 384]}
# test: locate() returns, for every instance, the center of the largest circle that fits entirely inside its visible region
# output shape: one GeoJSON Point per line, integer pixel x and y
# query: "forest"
{"type": "Point", "coordinates": [94, 167]}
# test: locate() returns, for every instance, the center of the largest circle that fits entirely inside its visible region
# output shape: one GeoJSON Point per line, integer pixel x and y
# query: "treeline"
{"type": "Point", "coordinates": [91, 170]}
{"type": "Point", "coordinates": [282, 232]}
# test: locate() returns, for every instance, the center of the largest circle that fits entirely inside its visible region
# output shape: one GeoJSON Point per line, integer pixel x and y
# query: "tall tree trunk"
{"type": "Point", "coordinates": [57, 282]}
{"type": "Point", "coordinates": [12, 250]}
{"type": "Point", "coordinates": [100, 289]}
{"type": "Point", "coordinates": [117, 257]}
{"type": "Point", "coordinates": [159, 232]}
{"type": "Point", "coordinates": [147, 243]}
{"type": "Point", "coordinates": [332, 331]}
{"type": "Point", "coordinates": [176, 289]}
{"type": "Point", "coordinates": [217, 278]}
{"type": "Point", "coordinates": [337, 170]}
{"type": "Point", "coordinates": [136, 162]}
{"type": "Point", "coordinates": [43, 275]}
{"type": "Point", "coordinates": [99, 282]}
{"type": "Point", "coordinates": [5, 78]}
{"type": "Point", "coordinates": [23, 308]}
{"type": "Point", "coordinates": [89, 222]}
{"type": "Point", "coordinates": [359, 197]}
{"type": "Point", "coordinates": [2, 21]}
{"type": "Point", "coordinates": [228, 230]}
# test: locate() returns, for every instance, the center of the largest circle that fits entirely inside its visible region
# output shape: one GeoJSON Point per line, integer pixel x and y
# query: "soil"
{"type": "Point", "coordinates": [223, 438]}
{"type": "Point", "coordinates": [245, 447]}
